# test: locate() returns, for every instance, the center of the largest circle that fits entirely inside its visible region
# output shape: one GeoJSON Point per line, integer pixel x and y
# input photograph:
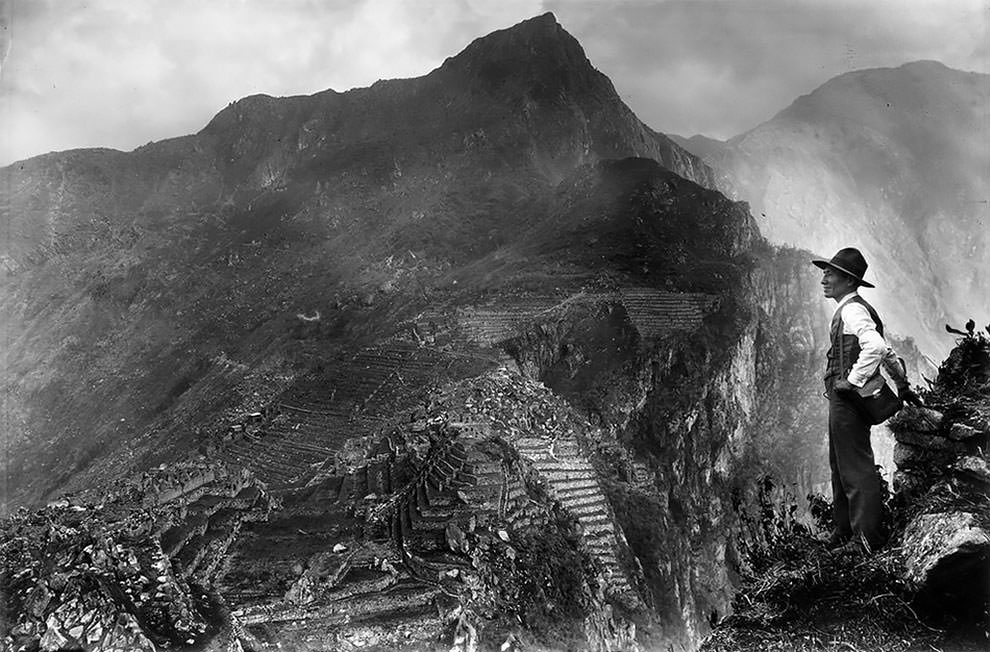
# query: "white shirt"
{"type": "Point", "coordinates": [856, 321]}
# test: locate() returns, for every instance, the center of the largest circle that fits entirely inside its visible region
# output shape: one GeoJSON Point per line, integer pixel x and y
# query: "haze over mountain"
{"type": "Point", "coordinates": [313, 192]}
{"type": "Point", "coordinates": [339, 343]}
{"type": "Point", "coordinates": [892, 160]}
{"type": "Point", "coordinates": [438, 170]}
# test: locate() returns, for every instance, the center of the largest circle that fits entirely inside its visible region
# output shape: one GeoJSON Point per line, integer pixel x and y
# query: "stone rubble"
{"type": "Point", "coordinates": [943, 477]}
{"type": "Point", "coordinates": [93, 576]}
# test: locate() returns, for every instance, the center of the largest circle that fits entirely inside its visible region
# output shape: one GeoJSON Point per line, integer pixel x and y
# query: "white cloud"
{"type": "Point", "coordinates": [121, 72]}
{"type": "Point", "coordinates": [721, 67]}
{"type": "Point", "coordinates": [5, 10]}
{"type": "Point", "coordinates": [118, 73]}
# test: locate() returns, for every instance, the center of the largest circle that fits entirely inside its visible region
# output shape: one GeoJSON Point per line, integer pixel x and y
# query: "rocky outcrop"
{"type": "Point", "coordinates": [927, 586]}
{"type": "Point", "coordinates": [942, 480]}
{"type": "Point", "coordinates": [947, 553]}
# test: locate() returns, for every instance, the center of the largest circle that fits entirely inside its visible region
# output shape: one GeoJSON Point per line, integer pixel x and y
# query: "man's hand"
{"type": "Point", "coordinates": [843, 386]}
{"type": "Point", "coordinates": [910, 397]}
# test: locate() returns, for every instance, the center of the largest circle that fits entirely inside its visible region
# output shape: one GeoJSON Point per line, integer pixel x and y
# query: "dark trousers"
{"type": "Point", "coordinates": [856, 504]}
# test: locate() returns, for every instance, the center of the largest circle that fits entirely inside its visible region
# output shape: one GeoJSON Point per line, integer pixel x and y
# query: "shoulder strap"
{"type": "Point", "coordinates": [873, 313]}
{"type": "Point", "coordinates": [876, 320]}
{"type": "Point", "coordinates": [839, 343]}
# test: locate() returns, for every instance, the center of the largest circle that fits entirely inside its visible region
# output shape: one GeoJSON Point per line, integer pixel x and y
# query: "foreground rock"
{"type": "Point", "coordinates": [947, 553]}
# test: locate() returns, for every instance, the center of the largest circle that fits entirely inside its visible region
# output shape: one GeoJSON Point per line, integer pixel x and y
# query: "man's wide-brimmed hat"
{"type": "Point", "coordinates": [849, 261]}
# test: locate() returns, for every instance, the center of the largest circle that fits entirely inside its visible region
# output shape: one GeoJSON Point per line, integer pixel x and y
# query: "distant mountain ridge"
{"type": "Point", "coordinates": [893, 160]}
{"type": "Point", "coordinates": [535, 69]}
{"type": "Point", "coordinates": [470, 107]}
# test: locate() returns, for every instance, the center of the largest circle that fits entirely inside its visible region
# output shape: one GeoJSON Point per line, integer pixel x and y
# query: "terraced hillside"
{"type": "Point", "coordinates": [290, 439]}
{"type": "Point", "coordinates": [315, 417]}
{"type": "Point", "coordinates": [116, 569]}
{"type": "Point", "coordinates": [653, 312]}
{"type": "Point", "coordinates": [391, 552]}
{"type": "Point", "coordinates": [157, 293]}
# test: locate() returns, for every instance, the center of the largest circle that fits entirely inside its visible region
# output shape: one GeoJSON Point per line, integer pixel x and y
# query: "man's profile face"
{"type": "Point", "coordinates": [836, 284]}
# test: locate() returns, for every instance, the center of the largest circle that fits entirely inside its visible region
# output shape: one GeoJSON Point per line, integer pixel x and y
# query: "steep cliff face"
{"type": "Point", "coordinates": [790, 360]}
{"type": "Point", "coordinates": [687, 422]}
{"type": "Point", "coordinates": [889, 160]}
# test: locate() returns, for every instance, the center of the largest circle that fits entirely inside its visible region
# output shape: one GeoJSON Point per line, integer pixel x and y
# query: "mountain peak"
{"type": "Point", "coordinates": [925, 63]}
{"type": "Point", "coordinates": [539, 28]}
{"type": "Point", "coordinates": [544, 22]}
{"type": "Point", "coordinates": [538, 43]}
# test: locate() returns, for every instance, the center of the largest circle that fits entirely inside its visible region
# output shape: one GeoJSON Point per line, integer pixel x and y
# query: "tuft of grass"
{"type": "Point", "coordinates": [812, 598]}
{"type": "Point", "coordinates": [796, 594]}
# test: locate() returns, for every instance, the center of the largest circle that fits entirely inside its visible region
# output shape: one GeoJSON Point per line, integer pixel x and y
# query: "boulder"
{"type": "Point", "coordinates": [53, 638]}
{"type": "Point", "coordinates": [918, 419]}
{"type": "Point", "coordinates": [456, 540]}
{"type": "Point", "coordinates": [930, 441]}
{"type": "Point", "coordinates": [39, 599]}
{"type": "Point", "coordinates": [947, 553]}
{"type": "Point", "coordinates": [907, 456]}
{"type": "Point", "coordinates": [911, 483]}
{"type": "Point", "coordinates": [963, 432]}
{"type": "Point", "coordinates": [979, 417]}
{"type": "Point", "coordinates": [972, 468]}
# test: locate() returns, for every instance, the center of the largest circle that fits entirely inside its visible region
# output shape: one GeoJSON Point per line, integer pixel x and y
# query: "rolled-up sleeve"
{"type": "Point", "coordinates": [857, 321]}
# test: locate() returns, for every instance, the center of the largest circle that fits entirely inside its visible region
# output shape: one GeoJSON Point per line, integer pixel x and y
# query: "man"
{"type": "Point", "coordinates": [854, 357]}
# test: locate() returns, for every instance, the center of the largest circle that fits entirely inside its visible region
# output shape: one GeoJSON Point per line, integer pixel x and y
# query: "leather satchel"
{"type": "Point", "coordinates": [876, 400]}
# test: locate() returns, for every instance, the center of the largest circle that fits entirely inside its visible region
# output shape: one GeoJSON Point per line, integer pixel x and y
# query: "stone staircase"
{"type": "Point", "coordinates": [571, 479]}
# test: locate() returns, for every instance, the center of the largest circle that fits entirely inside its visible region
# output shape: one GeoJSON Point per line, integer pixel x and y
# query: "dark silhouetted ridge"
{"type": "Point", "coordinates": [538, 47]}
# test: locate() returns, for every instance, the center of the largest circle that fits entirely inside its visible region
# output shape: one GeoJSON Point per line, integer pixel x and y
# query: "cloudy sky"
{"type": "Point", "coordinates": [119, 73]}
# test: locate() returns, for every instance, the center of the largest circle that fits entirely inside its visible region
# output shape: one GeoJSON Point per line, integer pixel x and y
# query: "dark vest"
{"type": "Point", "coordinates": [849, 344]}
